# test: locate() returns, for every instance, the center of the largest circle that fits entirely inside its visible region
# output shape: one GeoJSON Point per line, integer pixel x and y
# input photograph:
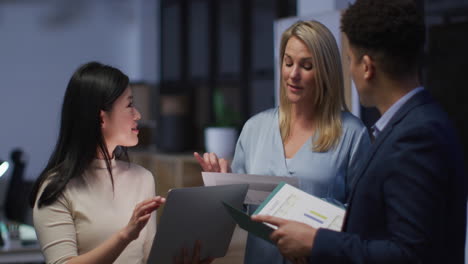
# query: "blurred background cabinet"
{"type": "Point", "coordinates": [170, 170]}
{"type": "Point", "coordinates": [224, 45]}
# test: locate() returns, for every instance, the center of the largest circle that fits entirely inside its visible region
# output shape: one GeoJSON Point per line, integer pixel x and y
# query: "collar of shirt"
{"type": "Point", "coordinates": [387, 116]}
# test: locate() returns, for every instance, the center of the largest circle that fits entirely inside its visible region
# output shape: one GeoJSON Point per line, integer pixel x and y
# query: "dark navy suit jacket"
{"type": "Point", "coordinates": [408, 201]}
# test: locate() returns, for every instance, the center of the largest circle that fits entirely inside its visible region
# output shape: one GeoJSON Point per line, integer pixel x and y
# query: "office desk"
{"type": "Point", "coordinates": [26, 254]}
{"type": "Point", "coordinates": [13, 251]}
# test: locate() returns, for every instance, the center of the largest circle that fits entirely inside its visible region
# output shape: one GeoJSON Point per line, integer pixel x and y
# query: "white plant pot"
{"type": "Point", "coordinates": [221, 140]}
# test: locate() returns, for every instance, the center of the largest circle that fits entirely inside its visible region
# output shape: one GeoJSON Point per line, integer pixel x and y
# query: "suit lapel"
{"type": "Point", "coordinates": [368, 158]}
{"type": "Point", "coordinates": [418, 99]}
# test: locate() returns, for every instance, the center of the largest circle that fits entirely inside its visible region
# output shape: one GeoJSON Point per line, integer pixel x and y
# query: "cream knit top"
{"type": "Point", "coordinates": [89, 212]}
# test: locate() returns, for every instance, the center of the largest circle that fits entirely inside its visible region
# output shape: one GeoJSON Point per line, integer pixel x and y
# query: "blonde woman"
{"type": "Point", "coordinates": [311, 135]}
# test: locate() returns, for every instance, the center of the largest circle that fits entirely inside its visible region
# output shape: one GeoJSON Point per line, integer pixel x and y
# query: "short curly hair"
{"type": "Point", "coordinates": [392, 32]}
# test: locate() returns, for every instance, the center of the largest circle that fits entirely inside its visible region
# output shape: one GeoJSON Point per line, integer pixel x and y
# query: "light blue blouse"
{"type": "Point", "coordinates": [260, 150]}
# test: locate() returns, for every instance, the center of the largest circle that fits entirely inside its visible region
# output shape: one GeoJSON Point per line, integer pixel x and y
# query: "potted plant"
{"type": "Point", "coordinates": [221, 137]}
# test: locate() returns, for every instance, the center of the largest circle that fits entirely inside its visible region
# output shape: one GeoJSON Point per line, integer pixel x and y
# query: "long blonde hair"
{"type": "Point", "coordinates": [328, 97]}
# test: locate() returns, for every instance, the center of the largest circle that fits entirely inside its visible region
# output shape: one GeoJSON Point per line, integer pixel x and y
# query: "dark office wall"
{"type": "Point", "coordinates": [42, 43]}
{"type": "Point", "coordinates": [446, 72]}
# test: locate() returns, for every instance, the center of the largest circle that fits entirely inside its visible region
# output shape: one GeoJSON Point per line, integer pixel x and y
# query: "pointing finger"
{"type": "Point", "coordinates": [269, 219]}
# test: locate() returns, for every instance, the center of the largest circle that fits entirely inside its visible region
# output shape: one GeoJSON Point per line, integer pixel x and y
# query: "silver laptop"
{"type": "Point", "coordinates": [196, 213]}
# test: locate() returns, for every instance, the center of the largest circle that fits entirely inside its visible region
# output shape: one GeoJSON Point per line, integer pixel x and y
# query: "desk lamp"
{"type": "Point", "coordinates": [3, 167]}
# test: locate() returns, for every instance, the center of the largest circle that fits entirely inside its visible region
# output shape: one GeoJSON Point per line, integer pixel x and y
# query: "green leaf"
{"type": "Point", "coordinates": [224, 116]}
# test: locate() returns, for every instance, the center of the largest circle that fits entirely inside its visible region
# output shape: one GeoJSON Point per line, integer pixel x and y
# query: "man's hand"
{"type": "Point", "coordinates": [294, 239]}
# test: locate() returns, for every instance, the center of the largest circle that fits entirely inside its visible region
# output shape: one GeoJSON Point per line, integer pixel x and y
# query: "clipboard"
{"type": "Point", "coordinates": [290, 203]}
{"type": "Point", "coordinates": [196, 213]}
{"type": "Point", "coordinates": [243, 220]}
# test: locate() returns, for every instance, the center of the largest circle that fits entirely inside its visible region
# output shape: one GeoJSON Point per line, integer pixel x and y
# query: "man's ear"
{"type": "Point", "coordinates": [369, 67]}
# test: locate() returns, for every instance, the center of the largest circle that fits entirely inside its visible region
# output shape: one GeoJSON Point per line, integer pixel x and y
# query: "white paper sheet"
{"type": "Point", "coordinates": [260, 186]}
{"type": "Point", "coordinates": [291, 203]}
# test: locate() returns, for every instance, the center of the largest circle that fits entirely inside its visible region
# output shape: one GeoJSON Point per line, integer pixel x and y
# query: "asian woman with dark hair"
{"type": "Point", "coordinates": [90, 204]}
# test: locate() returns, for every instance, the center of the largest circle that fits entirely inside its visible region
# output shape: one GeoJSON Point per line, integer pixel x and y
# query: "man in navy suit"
{"type": "Point", "coordinates": [408, 199]}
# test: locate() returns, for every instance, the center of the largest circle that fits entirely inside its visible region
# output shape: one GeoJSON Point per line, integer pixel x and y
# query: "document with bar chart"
{"type": "Point", "coordinates": [289, 202]}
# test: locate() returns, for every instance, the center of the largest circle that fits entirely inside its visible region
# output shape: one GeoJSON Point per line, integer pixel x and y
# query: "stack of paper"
{"type": "Point", "coordinates": [291, 203]}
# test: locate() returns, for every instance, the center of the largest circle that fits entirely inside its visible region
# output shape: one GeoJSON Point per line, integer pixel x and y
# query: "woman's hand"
{"type": "Point", "coordinates": [141, 215]}
{"type": "Point", "coordinates": [110, 250]}
{"type": "Point", "coordinates": [184, 258]}
{"type": "Point", "coordinates": [210, 162]}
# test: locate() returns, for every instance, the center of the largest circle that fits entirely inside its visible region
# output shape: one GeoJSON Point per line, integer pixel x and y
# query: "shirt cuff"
{"type": "Point", "coordinates": [325, 245]}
